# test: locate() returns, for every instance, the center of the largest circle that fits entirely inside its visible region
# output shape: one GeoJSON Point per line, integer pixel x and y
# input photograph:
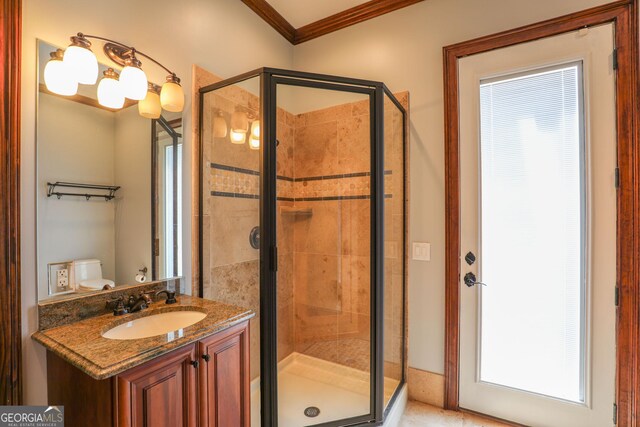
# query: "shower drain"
{"type": "Point", "coordinates": [312, 411]}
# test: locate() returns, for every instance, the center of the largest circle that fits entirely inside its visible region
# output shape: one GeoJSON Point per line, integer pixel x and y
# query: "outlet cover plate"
{"type": "Point", "coordinates": [421, 251]}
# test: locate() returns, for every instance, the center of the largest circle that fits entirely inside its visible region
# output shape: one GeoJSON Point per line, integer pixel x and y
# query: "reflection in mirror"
{"type": "Point", "coordinates": [167, 197]}
{"type": "Point", "coordinates": [108, 192]}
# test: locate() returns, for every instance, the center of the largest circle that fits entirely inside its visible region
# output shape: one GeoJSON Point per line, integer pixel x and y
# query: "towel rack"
{"type": "Point", "coordinates": [110, 190]}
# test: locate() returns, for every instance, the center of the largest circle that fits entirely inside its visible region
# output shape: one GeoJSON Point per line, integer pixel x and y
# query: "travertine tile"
{"type": "Point", "coordinates": [316, 150]}
{"type": "Point", "coordinates": [420, 415]}
{"type": "Point", "coordinates": [354, 144]}
{"type": "Point", "coordinates": [231, 222]}
{"type": "Point", "coordinates": [426, 387]}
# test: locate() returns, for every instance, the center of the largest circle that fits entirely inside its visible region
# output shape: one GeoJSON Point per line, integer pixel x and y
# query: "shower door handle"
{"type": "Point", "coordinates": [273, 255]}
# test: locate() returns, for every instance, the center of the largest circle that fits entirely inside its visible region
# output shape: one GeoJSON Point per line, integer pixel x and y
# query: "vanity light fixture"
{"type": "Point", "coordinates": [219, 125]}
{"type": "Point", "coordinates": [82, 67]}
{"type": "Point", "coordinates": [254, 143]}
{"type": "Point", "coordinates": [255, 129]}
{"type": "Point", "coordinates": [110, 91]}
{"type": "Point", "coordinates": [172, 95]}
{"type": "Point", "coordinates": [254, 139]}
{"type": "Point", "coordinates": [237, 137]}
{"type": "Point", "coordinates": [239, 127]}
{"type": "Point", "coordinates": [55, 75]}
{"type": "Point", "coordinates": [150, 106]}
{"type": "Point", "coordinates": [132, 79]}
{"type": "Point", "coordinates": [81, 61]}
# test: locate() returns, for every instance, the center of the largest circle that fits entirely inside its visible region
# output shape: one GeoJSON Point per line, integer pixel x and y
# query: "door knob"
{"type": "Point", "coordinates": [470, 280]}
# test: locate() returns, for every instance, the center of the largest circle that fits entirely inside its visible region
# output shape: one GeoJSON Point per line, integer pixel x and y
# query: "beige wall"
{"type": "Point", "coordinates": [222, 36]}
{"type": "Point", "coordinates": [404, 50]}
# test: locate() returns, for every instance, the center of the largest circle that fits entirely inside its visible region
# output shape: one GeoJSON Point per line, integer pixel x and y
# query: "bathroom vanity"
{"type": "Point", "coordinates": [197, 375]}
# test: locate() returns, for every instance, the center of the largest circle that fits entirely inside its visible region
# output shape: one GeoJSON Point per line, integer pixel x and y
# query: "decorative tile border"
{"type": "Point", "coordinates": [231, 181]}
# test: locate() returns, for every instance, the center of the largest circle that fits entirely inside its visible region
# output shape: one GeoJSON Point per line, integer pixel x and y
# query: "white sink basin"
{"type": "Point", "coordinates": [156, 324]}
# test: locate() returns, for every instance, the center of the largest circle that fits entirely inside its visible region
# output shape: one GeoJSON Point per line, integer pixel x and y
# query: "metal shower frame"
{"type": "Point", "coordinates": [270, 78]}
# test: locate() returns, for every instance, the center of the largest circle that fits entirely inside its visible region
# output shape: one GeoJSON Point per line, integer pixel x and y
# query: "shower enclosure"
{"type": "Point", "coordinates": [303, 221]}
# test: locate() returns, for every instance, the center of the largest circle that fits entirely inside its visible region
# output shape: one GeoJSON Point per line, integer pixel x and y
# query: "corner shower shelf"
{"type": "Point", "coordinates": [109, 190]}
{"type": "Point", "coordinates": [291, 210]}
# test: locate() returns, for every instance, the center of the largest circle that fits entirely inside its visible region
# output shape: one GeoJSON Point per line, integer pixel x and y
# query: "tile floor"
{"type": "Point", "coordinates": [421, 415]}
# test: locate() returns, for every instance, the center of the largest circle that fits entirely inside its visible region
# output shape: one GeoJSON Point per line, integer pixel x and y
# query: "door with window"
{"type": "Point", "coordinates": [538, 231]}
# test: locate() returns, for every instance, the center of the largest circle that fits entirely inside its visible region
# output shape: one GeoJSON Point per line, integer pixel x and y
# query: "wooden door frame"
{"type": "Point", "coordinates": [624, 16]}
{"type": "Point", "coordinates": [10, 308]}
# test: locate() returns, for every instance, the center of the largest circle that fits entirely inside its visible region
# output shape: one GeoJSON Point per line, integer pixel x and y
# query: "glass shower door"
{"type": "Point", "coordinates": [324, 281]}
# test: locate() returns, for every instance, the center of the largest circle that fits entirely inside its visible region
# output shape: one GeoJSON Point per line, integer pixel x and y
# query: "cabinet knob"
{"type": "Point", "coordinates": [206, 357]}
{"type": "Point", "coordinates": [195, 363]}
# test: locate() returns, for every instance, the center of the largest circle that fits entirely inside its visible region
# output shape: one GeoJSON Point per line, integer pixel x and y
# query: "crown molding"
{"type": "Point", "coordinates": [338, 21]}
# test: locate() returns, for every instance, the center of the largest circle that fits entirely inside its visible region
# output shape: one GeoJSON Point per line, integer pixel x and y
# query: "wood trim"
{"type": "Point", "coordinates": [338, 21]}
{"type": "Point", "coordinates": [86, 100]}
{"type": "Point", "coordinates": [349, 17]}
{"type": "Point", "coordinates": [624, 15]}
{"type": "Point", "coordinates": [10, 306]}
{"type": "Point", "coordinates": [271, 16]}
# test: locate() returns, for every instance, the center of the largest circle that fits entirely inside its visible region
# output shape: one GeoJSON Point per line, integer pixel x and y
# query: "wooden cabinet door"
{"type": "Point", "coordinates": [159, 393]}
{"type": "Point", "coordinates": [224, 378]}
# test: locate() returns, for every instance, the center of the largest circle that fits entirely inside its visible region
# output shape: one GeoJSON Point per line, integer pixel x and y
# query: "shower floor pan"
{"type": "Point", "coordinates": [337, 391]}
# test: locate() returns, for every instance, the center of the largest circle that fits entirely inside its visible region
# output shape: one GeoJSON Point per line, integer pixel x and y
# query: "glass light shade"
{"type": "Point", "coordinates": [172, 97]}
{"type": "Point", "coordinates": [254, 143]}
{"type": "Point", "coordinates": [255, 129]}
{"type": "Point", "coordinates": [58, 79]}
{"type": "Point", "coordinates": [110, 93]}
{"type": "Point", "coordinates": [82, 64]}
{"type": "Point", "coordinates": [239, 122]}
{"type": "Point", "coordinates": [150, 107]}
{"type": "Point", "coordinates": [219, 126]}
{"type": "Point", "coordinates": [134, 82]}
{"type": "Point", "coordinates": [237, 137]}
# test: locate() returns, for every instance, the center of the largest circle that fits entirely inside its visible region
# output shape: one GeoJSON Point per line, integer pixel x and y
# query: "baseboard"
{"type": "Point", "coordinates": [426, 387]}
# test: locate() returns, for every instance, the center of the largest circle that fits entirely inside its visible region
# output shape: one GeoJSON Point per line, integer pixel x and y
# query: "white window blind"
{"type": "Point", "coordinates": [533, 232]}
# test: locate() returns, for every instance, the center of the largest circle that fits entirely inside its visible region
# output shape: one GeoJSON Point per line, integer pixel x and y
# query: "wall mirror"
{"type": "Point", "coordinates": [108, 191]}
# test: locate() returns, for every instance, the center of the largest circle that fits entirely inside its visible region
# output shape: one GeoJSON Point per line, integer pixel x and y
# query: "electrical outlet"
{"type": "Point", "coordinates": [62, 278]}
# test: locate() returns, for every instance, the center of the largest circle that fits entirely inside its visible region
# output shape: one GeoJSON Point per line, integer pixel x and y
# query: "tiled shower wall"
{"type": "Point", "coordinates": [323, 165]}
{"type": "Point", "coordinates": [332, 165]}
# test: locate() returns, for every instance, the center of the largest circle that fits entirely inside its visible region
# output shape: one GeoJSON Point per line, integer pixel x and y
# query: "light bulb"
{"type": "Point", "coordinates": [109, 91]}
{"type": "Point", "coordinates": [254, 143]}
{"type": "Point", "coordinates": [255, 129]}
{"type": "Point", "coordinates": [133, 80]}
{"type": "Point", "coordinates": [237, 137]}
{"type": "Point", "coordinates": [239, 122]}
{"type": "Point", "coordinates": [80, 61]}
{"type": "Point", "coordinates": [219, 126]}
{"type": "Point", "coordinates": [172, 95]}
{"type": "Point", "coordinates": [57, 77]}
{"type": "Point", "coordinates": [150, 107]}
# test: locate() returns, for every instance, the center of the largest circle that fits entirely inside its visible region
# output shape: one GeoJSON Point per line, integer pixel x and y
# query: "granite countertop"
{"type": "Point", "coordinates": [82, 344]}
